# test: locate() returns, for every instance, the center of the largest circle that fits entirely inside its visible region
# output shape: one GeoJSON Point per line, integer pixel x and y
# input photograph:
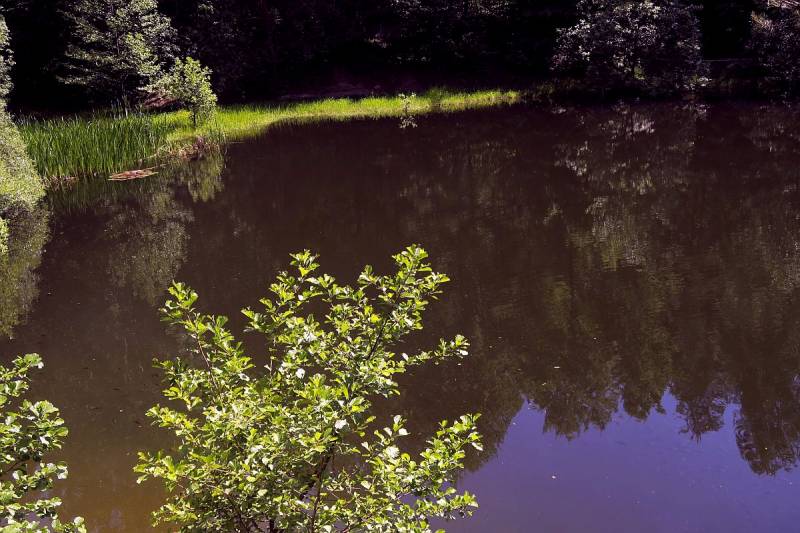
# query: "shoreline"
{"type": "Point", "coordinates": [240, 121]}
{"type": "Point", "coordinates": [51, 144]}
{"type": "Point", "coordinates": [88, 147]}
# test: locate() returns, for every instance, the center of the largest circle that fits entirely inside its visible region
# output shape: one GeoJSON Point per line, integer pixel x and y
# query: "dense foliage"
{"type": "Point", "coordinates": [652, 45]}
{"type": "Point", "coordinates": [6, 59]}
{"type": "Point", "coordinates": [20, 185]}
{"type": "Point", "coordinates": [431, 30]}
{"type": "Point", "coordinates": [281, 444]}
{"type": "Point", "coordinates": [118, 47]}
{"type": "Point", "coordinates": [19, 182]}
{"type": "Point", "coordinates": [776, 43]}
{"type": "Point", "coordinates": [264, 47]}
{"type": "Point", "coordinates": [29, 431]}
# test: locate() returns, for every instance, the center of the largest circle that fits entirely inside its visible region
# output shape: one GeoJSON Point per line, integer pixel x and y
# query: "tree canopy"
{"type": "Point", "coordinates": [651, 45]}
{"type": "Point", "coordinates": [108, 49]}
{"type": "Point", "coordinates": [117, 47]}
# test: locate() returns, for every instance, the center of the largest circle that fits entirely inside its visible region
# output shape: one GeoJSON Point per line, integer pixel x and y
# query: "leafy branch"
{"type": "Point", "coordinates": [256, 443]}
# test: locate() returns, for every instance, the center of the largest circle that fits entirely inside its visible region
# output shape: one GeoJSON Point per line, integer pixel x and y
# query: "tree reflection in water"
{"type": "Point", "coordinates": [18, 278]}
{"type": "Point", "coordinates": [642, 260]}
{"type": "Point", "coordinates": [607, 263]}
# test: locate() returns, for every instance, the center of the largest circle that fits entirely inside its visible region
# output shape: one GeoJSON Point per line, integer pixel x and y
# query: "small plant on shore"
{"type": "Point", "coordinates": [407, 119]}
{"type": "Point", "coordinates": [189, 83]}
{"type": "Point", "coordinates": [281, 444]}
{"type": "Point", "coordinates": [29, 431]}
{"type": "Point", "coordinates": [435, 96]}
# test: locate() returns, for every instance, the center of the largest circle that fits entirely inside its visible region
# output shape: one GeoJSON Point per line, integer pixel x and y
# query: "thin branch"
{"type": "Point", "coordinates": [217, 387]}
{"type": "Point", "coordinates": [320, 478]}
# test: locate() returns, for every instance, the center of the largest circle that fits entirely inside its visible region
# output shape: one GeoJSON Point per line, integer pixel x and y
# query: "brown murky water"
{"type": "Point", "coordinates": [629, 278]}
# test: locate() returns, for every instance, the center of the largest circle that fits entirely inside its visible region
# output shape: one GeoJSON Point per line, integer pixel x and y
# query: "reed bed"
{"type": "Point", "coordinates": [78, 147]}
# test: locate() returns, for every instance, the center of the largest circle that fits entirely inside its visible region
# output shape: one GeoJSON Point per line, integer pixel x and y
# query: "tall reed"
{"type": "Point", "coordinates": [101, 144]}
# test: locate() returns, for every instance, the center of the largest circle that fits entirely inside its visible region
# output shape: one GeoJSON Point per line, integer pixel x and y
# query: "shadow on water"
{"type": "Point", "coordinates": [618, 270]}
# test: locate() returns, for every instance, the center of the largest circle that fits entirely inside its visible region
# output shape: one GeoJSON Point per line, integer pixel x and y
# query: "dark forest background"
{"type": "Point", "coordinates": [259, 49]}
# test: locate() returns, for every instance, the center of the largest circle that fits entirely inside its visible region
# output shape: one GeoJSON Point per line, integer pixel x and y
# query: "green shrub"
{"type": "Point", "coordinates": [652, 45]}
{"type": "Point", "coordinates": [29, 431]}
{"type": "Point", "coordinates": [776, 45]}
{"type": "Point", "coordinates": [6, 59]}
{"type": "Point", "coordinates": [189, 83]}
{"type": "Point", "coordinates": [20, 186]}
{"type": "Point", "coordinates": [281, 444]}
{"type": "Point", "coordinates": [19, 181]}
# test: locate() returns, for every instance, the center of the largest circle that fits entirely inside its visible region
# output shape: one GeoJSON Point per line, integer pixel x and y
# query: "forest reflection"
{"type": "Point", "coordinates": [19, 284]}
{"type": "Point", "coordinates": [602, 259]}
{"type": "Point", "coordinates": [655, 252]}
{"type": "Point", "coordinates": [143, 237]}
{"type": "Point", "coordinates": [706, 235]}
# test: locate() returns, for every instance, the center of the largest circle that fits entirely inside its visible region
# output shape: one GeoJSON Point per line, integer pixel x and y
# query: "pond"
{"type": "Point", "coordinates": [629, 278]}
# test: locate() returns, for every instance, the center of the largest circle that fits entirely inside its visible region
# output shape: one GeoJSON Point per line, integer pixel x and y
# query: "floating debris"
{"type": "Point", "coordinates": [132, 174]}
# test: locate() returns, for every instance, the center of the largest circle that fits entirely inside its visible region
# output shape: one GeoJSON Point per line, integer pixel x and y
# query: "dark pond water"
{"type": "Point", "coordinates": [629, 278]}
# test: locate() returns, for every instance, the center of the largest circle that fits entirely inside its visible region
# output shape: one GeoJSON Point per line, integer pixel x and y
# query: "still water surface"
{"type": "Point", "coordinates": [629, 278]}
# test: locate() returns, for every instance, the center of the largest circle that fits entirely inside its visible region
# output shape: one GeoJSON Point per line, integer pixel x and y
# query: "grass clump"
{"type": "Point", "coordinates": [102, 144]}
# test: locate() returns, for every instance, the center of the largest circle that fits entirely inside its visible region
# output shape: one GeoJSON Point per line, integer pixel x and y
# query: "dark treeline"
{"type": "Point", "coordinates": [260, 48]}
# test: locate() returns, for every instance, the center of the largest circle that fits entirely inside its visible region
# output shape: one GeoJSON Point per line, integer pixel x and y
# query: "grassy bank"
{"type": "Point", "coordinates": [102, 145]}
{"type": "Point", "coordinates": [238, 122]}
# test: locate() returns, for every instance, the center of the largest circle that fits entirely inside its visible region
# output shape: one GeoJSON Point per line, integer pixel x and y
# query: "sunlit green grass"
{"type": "Point", "coordinates": [99, 144]}
{"type": "Point", "coordinates": [104, 144]}
{"type": "Point", "coordinates": [238, 122]}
